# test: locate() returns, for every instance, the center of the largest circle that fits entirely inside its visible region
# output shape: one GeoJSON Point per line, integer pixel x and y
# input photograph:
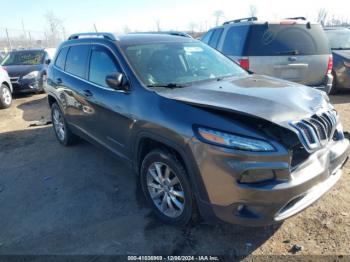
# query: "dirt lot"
{"type": "Point", "coordinates": [82, 200]}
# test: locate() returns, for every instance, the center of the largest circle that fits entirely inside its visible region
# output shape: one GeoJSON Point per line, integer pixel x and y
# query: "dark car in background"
{"type": "Point", "coordinates": [27, 70]}
{"type": "Point", "coordinates": [292, 49]}
{"type": "Point", "coordinates": [200, 132]}
{"type": "Point", "coordinates": [339, 39]}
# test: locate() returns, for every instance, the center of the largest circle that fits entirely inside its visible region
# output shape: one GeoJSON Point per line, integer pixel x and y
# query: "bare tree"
{"type": "Point", "coordinates": [218, 14]}
{"type": "Point", "coordinates": [322, 16]}
{"type": "Point", "coordinates": [56, 30]}
{"type": "Point", "coordinates": [253, 11]}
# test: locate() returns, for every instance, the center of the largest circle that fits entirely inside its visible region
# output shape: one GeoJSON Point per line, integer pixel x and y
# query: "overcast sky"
{"type": "Point", "coordinates": [116, 15]}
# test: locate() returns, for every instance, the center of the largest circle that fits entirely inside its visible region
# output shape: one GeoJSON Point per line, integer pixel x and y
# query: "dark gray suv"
{"type": "Point", "coordinates": [200, 132]}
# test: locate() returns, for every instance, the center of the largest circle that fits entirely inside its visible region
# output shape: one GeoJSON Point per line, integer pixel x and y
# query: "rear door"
{"type": "Point", "coordinates": [295, 52]}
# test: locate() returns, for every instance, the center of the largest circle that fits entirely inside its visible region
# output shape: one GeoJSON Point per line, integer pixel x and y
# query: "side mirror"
{"type": "Point", "coordinates": [116, 81]}
{"type": "Point", "coordinates": [47, 61]}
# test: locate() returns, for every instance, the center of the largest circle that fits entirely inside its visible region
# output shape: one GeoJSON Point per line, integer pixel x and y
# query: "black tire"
{"type": "Point", "coordinates": [334, 90]}
{"type": "Point", "coordinates": [163, 156]}
{"type": "Point", "coordinates": [5, 97]}
{"type": "Point", "coordinates": [69, 138]}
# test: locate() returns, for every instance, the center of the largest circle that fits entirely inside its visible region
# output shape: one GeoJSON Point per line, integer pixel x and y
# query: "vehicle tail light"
{"type": "Point", "coordinates": [244, 62]}
{"type": "Point", "coordinates": [330, 65]}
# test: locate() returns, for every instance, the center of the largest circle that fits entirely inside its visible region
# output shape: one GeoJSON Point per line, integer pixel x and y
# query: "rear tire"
{"type": "Point", "coordinates": [166, 187]}
{"type": "Point", "coordinates": [62, 131]}
{"type": "Point", "coordinates": [334, 90]}
{"type": "Point", "coordinates": [5, 97]}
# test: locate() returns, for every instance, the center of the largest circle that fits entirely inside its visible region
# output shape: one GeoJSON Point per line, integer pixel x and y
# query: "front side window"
{"type": "Point", "coordinates": [179, 63]}
{"type": "Point", "coordinates": [24, 58]}
{"type": "Point", "coordinates": [77, 58]}
{"type": "Point", "coordinates": [102, 64]}
{"type": "Point", "coordinates": [61, 58]}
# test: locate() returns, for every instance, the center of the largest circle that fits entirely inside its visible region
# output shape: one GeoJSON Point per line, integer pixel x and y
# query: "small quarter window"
{"type": "Point", "coordinates": [61, 58]}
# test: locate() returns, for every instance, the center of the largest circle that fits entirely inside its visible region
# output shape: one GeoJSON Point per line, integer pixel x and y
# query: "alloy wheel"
{"type": "Point", "coordinates": [6, 95]}
{"type": "Point", "coordinates": [58, 124]}
{"type": "Point", "coordinates": [165, 190]}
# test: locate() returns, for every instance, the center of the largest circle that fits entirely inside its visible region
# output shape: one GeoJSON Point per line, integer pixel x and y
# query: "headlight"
{"type": "Point", "coordinates": [31, 75]}
{"type": "Point", "coordinates": [234, 141]}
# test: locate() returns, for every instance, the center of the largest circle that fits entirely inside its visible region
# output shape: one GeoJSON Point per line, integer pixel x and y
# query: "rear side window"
{"type": "Point", "coordinates": [77, 59]}
{"type": "Point", "coordinates": [61, 58]}
{"type": "Point", "coordinates": [214, 40]}
{"type": "Point", "coordinates": [235, 40]}
{"type": "Point", "coordinates": [297, 39]}
{"type": "Point", "coordinates": [207, 36]}
{"type": "Point", "coordinates": [102, 63]}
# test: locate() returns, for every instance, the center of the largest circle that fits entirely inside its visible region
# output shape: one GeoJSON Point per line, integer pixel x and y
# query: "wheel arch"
{"type": "Point", "coordinates": [146, 142]}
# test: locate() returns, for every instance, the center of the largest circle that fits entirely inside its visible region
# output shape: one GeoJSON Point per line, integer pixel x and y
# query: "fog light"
{"type": "Point", "coordinates": [257, 176]}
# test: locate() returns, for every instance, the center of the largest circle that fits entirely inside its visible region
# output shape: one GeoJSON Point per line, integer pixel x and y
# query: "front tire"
{"type": "Point", "coordinates": [62, 131]}
{"type": "Point", "coordinates": [166, 187]}
{"type": "Point", "coordinates": [5, 97]}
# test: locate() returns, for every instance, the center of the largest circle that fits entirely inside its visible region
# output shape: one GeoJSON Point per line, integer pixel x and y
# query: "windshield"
{"type": "Point", "coordinates": [174, 63]}
{"type": "Point", "coordinates": [339, 39]}
{"type": "Point", "coordinates": [24, 58]}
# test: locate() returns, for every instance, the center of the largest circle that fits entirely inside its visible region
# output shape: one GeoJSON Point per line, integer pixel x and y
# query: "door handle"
{"type": "Point", "coordinates": [87, 93]}
{"type": "Point", "coordinates": [58, 81]}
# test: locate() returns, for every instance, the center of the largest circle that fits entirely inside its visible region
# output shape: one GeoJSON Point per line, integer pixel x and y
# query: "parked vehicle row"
{"type": "Point", "coordinates": [292, 49]}
{"type": "Point", "coordinates": [202, 133]}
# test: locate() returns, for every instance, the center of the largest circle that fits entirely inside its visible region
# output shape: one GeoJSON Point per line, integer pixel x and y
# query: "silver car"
{"type": "Point", "coordinates": [292, 49]}
{"type": "Point", "coordinates": [5, 89]}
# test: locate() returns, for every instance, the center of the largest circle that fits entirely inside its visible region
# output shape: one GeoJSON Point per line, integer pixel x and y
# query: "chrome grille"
{"type": "Point", "coordinates": [316, 131]}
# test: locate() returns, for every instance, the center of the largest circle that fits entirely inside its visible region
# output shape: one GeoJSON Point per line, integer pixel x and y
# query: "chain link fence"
{"type": "Point", "coordinates": [14, 39]}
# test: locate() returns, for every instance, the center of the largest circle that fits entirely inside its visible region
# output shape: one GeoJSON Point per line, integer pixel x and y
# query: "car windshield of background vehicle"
{"type": "Point", "coordinates": [175, 64]}
{"type": "Point", "coordinates": [24, 58]}
{"type": "Point", "coordinates": [339, 39]}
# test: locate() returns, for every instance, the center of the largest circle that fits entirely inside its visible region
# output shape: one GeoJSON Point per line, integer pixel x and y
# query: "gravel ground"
{"type": "Point", "coordinates": [82, 200]}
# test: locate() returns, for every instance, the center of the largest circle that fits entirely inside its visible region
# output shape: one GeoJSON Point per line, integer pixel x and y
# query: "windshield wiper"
{"type": "Point", "coordinates": [169, 85]}
{"type": "Point", "coordinates": [288, 52]}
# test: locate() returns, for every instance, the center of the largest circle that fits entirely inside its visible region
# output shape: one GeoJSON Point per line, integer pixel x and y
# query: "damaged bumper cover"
{"type": "Point", "coordinates": [292, 190]}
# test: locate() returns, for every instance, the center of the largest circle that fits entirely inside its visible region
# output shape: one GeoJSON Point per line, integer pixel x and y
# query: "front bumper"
{"type": "Point", "coordinates": [26, 85]}
{"type": "Point", "coordinates": [293, 190]}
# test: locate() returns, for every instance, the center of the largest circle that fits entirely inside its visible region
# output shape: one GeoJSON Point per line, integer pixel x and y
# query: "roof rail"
{"type": "Point", "coordinates": [175, 33]}
{"type": "Point", "coordinates": [107, 36]}
{"type": "Point", "coordinates": [248, 19]}
{"type": "Point", "coordinates": [297, 18]}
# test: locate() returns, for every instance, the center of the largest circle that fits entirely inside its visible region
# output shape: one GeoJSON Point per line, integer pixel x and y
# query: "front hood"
{"type": "Point", "coordinates": [342, 53]}
{"type": "Point", "coordinates": [21, 70]}
{"type": "Point", "coordinates": [272, 99]}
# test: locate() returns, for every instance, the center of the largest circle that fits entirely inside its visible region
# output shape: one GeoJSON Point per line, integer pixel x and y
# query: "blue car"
{"type": "Point", "coordinates": [339, 39]}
